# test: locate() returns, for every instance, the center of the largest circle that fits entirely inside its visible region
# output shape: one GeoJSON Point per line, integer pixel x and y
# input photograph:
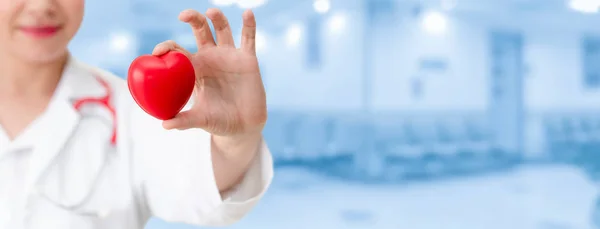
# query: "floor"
{"type": "Point", "coordinates": [528, 197]}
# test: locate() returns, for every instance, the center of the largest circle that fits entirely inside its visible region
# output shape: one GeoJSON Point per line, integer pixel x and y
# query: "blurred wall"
{"type": "Point", "coordinates": [561, 87]}
{"type": "Point", "coordinates": [461, 85]}
{"type": "Point", "coordinates": [400, 47]}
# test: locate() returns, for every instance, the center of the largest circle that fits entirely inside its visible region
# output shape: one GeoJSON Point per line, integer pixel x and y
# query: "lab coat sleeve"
{"type": "Point", "coordinates": [174, 179]}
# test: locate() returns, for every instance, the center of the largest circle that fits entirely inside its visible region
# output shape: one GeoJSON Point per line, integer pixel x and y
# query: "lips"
{"type": "Point", "coordinates": [40, 31]}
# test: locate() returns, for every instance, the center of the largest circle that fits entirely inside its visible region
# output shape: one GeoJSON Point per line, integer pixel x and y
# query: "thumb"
{"type": "Point", "coordinates": [185, 120]}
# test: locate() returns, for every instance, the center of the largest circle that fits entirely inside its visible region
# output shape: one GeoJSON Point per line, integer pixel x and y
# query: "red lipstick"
{"type": "Point", "coordinates": [40, 31]}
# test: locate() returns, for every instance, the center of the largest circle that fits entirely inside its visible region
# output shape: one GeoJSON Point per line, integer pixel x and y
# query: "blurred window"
{"type": "Point", "coordinates": [313, 57]}
{"type": "Point", "coordinates": [591, 61]}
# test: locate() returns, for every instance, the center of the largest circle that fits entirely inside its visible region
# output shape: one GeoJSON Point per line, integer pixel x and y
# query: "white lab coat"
{"type": "Point", "coordinates": [59, 161]}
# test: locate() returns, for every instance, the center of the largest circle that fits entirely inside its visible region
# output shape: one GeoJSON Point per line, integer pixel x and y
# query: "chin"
{"type": "Point", "coordinates": [42, 57]}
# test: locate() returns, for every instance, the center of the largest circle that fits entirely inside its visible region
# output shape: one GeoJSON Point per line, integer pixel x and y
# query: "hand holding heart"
{"type": "Point", "coordinates": [229, 96]}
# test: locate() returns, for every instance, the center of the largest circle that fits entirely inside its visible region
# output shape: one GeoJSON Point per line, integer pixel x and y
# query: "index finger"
{"type": "Point", "coordinates": [200, 27]}
{"type": "Point", "coordinates": [167, 46]}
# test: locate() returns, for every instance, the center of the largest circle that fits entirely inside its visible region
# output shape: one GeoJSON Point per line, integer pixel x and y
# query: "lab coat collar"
{"type": "Point", "coordinates": [70, 86]}
{"type": "Point", "coordinates": [61, 119]}
{"type": "Point", "coordinates": [78, 81]}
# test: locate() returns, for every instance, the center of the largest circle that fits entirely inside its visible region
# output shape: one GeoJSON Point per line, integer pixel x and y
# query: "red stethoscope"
{"type": "Point", "coordinates": [104, 101]}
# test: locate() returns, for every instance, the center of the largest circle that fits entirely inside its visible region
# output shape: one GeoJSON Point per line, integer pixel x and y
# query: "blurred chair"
{"type": "Point", "coordinates": [593, 156]}
{"type": "Point", "coordinates": [469, 154]}
{"type": "Point", "coordinates": [274, 133]}
{"type": "Point", "coordinates": [585, 133]}
{"type": "Point", "coordinates": [331, 149]}
{"type": "Point", "coordinates": [556, 139]}
{"type": "Point", "coordinates": [569, 151]}
{"type": "Point", "coordinates": [480, 140]}
{"type": "Point", "coordinates": [588, 145]}
{"type": "Point", "coordinates": [446, 143]}
{"type": "Point", "coordinates": [595, 128]}
{"type": "Point", "coordinates": [390, 141]}
{"type": "Point", "coordinates": [346, 138]}
{"type": "Point", "coordinates": [437, 150]}
{"type": "Point", "coordinates": [281, 132]}
{"type": "Point", "coordinates": [345, 146]}
{"type": "Point", "coordinates": [337, 146]}
{"type": "Point", "coordinates": [311, 139]}
{"type": "Point", "coordinates": [388, 138]}
{"type": "Point", "coordinates": [580, 131]}
{"type": "Point", "coordinates": [568, 128]}
{"type": "Point", "coordinates": [291, 134]}
{"type": "Point", "coordinates": [411, 145]}
{"type": "Point", "coordinates": [420, 139]}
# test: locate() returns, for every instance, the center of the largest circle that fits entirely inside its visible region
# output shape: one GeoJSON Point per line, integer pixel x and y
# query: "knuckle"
{"type": "Point", "coordinates": [222, 26]}
{"type": "Point", "coordinates": [201, 26]}
{"type": "Point", "coordinates": [250, 34]}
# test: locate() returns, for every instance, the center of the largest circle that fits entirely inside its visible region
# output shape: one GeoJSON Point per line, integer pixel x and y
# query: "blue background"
{"type": "Point", "coordinates": [390, 114]}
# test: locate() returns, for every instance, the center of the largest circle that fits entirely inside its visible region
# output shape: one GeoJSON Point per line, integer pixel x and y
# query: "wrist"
{"type": "Point", "coordinates": [235, 146]}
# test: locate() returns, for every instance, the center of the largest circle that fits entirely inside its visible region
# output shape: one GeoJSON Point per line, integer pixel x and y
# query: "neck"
{"type": "Point", "coordinates": [19, 78]}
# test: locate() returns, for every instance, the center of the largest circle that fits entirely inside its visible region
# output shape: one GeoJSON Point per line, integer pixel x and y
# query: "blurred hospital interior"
{"type": "Point", "coordinates": [415, 114]}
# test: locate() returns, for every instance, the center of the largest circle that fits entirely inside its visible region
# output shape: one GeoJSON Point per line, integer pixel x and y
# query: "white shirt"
{"type": "Point", "coordinates": [62, 172]}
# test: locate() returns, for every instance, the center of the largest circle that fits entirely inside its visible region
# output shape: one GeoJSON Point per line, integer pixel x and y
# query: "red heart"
{"type": "Point", "coordinates": [161, 85]}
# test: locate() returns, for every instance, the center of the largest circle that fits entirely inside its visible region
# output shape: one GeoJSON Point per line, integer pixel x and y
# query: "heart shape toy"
{"type": "Point", "coordinates": [161, 85]}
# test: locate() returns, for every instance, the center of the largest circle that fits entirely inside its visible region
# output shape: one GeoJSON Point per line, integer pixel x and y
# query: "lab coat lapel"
{"type": "Point", "coordinates": [61, 118]}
